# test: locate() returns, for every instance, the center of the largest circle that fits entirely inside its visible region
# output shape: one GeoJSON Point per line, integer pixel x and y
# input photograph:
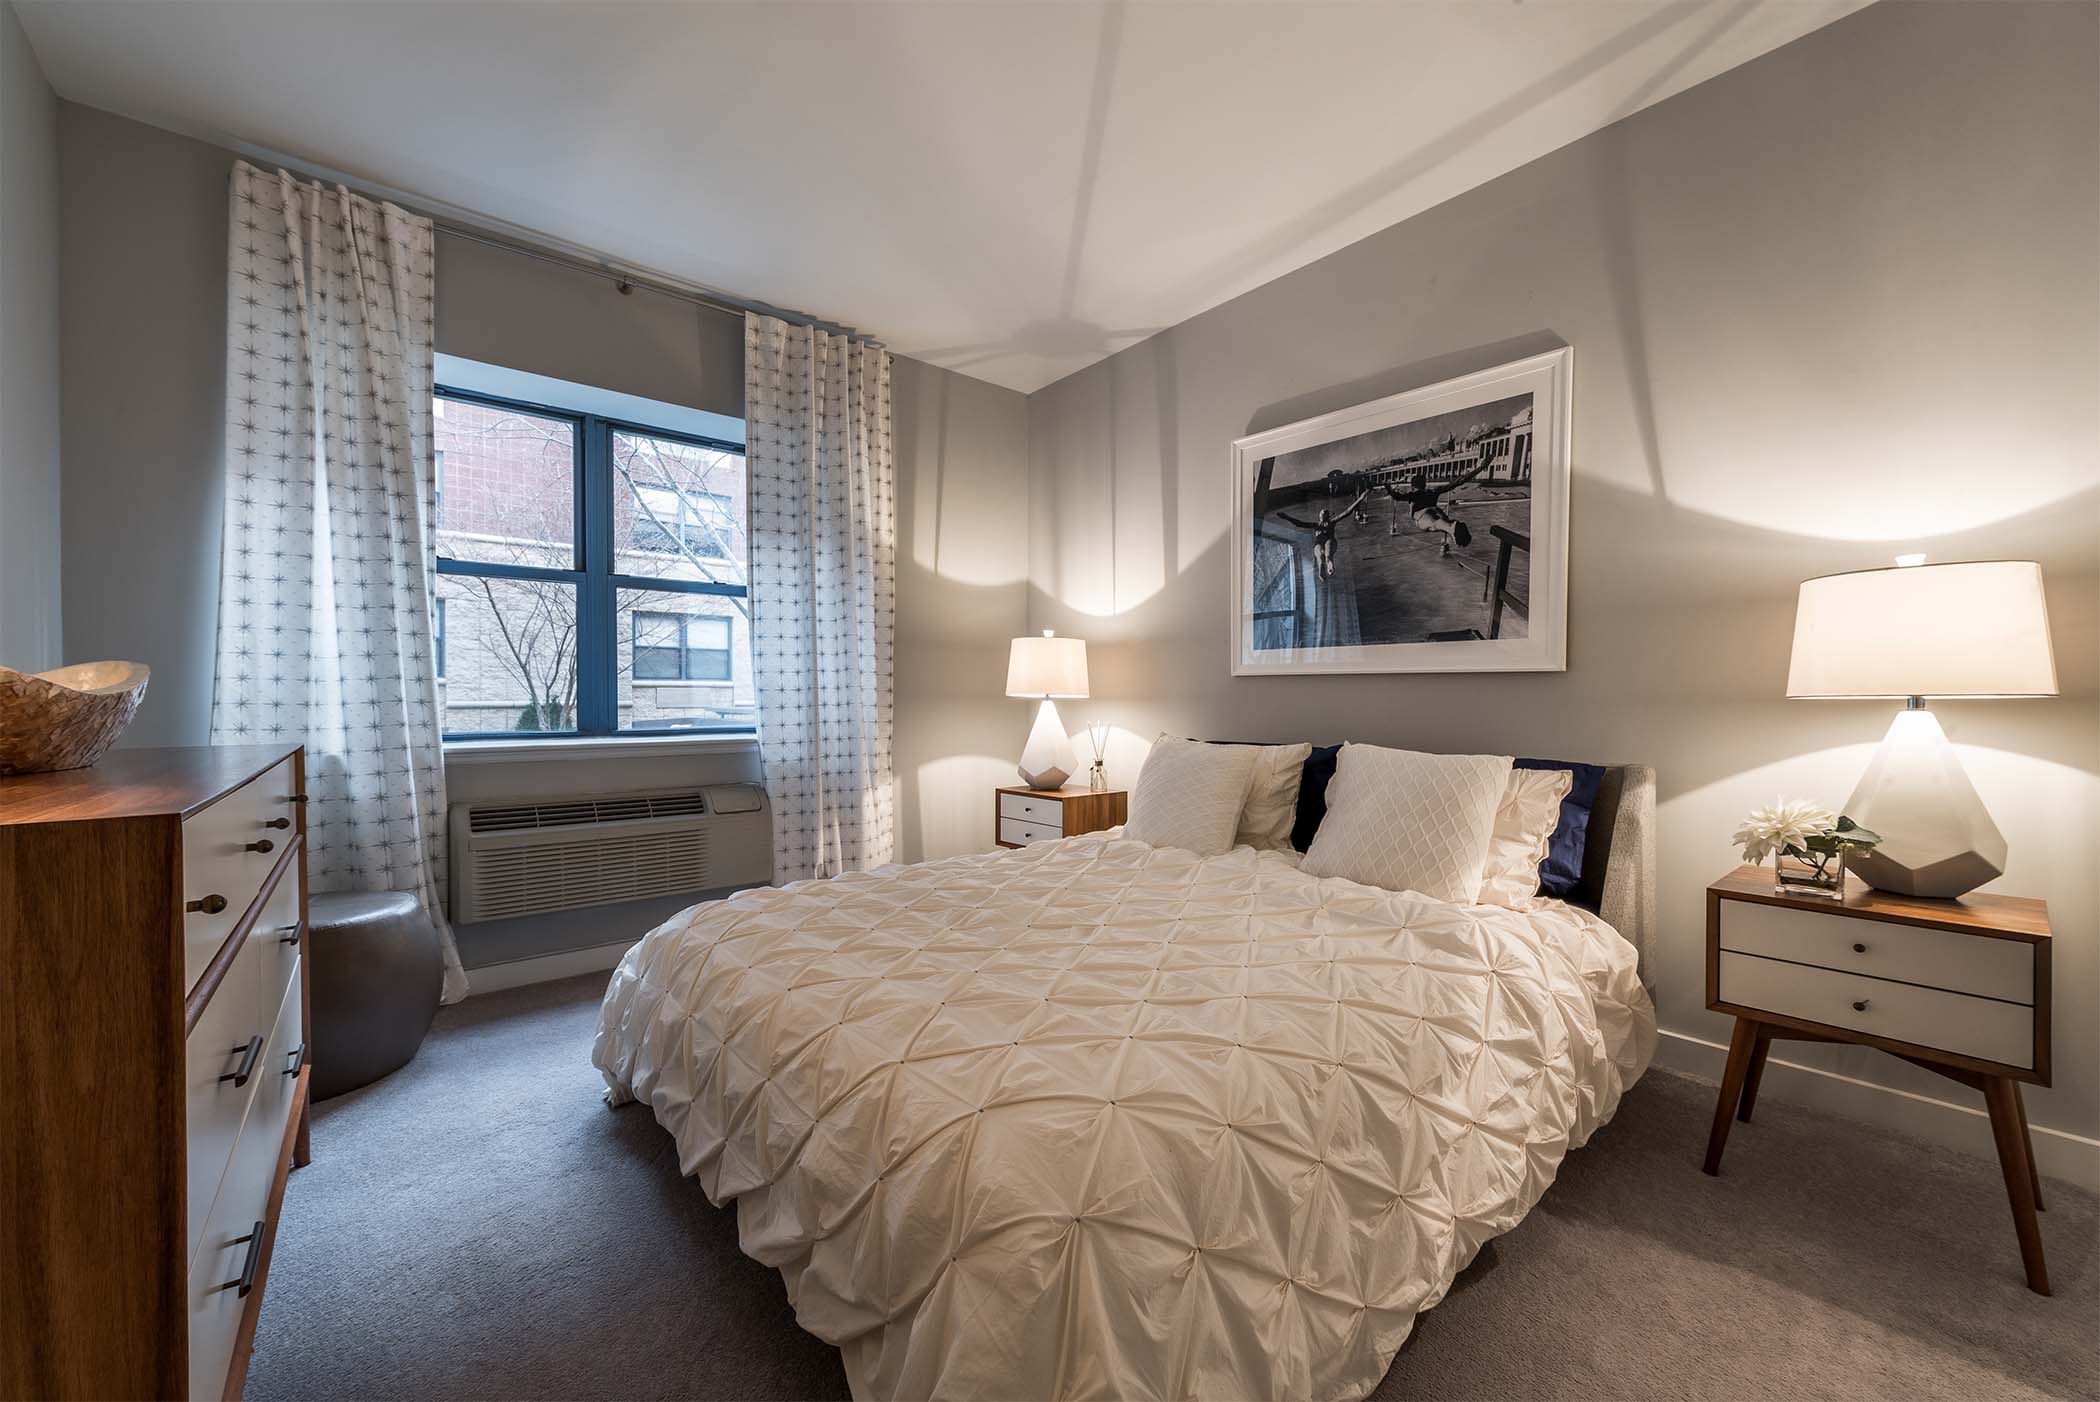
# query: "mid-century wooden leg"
{"type": "Point", "coordinates": [2002, 1096]}
{"type": "Point", "coordinates": [303, 1146]}
{"type": "Point", "coordinates": [1756, 1071]}
{"type": "Point", "coordinates": [1740, 1045]}
{"type": "Point", "coordinates": [2034, 1172]}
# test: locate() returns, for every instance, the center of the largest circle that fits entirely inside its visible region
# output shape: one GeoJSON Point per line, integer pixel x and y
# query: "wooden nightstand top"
{"type": "Point", "coordinates": [2007, 917]}
{"type": "Point", "coordinates": [1057, 795]}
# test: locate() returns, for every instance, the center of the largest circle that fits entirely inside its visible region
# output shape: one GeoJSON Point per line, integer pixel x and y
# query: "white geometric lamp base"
{"type": "Point", "coordinates": [1937, 839]}
{"type": "Point", "coordinates": [1048, 760]}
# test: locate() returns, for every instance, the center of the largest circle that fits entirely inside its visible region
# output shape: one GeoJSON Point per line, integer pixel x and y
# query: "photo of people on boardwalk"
{"type": "Point", "coordinates": [1418, 532]}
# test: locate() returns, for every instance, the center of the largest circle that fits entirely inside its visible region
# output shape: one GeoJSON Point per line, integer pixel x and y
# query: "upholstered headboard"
{"type": "Point", "coordinates": [1618, 858]}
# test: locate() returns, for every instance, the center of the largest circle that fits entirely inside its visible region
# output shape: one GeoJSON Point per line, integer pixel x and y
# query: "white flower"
{"type": "Point", "coordinates": [1785, 824]}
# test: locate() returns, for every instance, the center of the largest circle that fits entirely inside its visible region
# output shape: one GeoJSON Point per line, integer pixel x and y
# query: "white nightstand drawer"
{"type": "Point", "coordinates": [1043, 812]}
{"type": "Point", "coordinates": [1926, 1017]}
{"type": "Point", "coordinates": [1020, 834]}
{"type": "Point", "coordinates": [1990, 968]}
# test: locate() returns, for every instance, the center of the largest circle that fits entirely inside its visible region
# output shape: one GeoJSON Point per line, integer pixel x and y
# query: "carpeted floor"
{"type": "Point", "coordinates": [480, 1225]}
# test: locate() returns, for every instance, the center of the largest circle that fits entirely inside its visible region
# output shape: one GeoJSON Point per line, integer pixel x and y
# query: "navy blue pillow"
{"type": "Point", "coordinates": [1312, 795]}
{"type": "Point", "coordinates": [1561, 872]}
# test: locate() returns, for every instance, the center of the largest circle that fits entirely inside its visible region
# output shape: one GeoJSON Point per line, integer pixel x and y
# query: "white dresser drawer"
{"type": "Point", "coordinates": [1020, 833]}
{"type": "Point", "coordinates": [1990, 968]}
{"type": "Point", "coordinates": [277, 936]}
{"type": "Point", "coordinates": [1927, 1017]}
{"type": "Point", "coordinates": [216, 1299]}
{"type": "Point", "coordinates": [227, 850]}
{"type": "Point", "coordinates": [217, 1047]}
{"type": "Point", "coordinates": [1043, 812]}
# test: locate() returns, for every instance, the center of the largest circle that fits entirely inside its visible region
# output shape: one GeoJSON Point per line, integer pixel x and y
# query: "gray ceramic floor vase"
{"type": "Point", "coordinates": [66, 718]}
{"type": "Point", "coordinates": [1937, 839]}
{"type": "Point", "coordinates": [377, 972]}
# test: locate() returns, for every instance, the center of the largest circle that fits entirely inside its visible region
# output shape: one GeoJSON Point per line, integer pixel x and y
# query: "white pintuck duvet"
{"type": "Point", "coordinates": [1100, 1119]}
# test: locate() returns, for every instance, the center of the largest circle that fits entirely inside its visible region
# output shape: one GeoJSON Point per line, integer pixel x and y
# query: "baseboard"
{"type": "Point", "coordinates": [545, 968]}
{"type": "Point", "coordinates": [2072, 1158]}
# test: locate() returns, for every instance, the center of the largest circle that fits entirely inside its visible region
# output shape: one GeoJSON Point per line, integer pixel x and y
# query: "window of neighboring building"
{"type": "Point", "coordinates": [682, 647]}
{"type": "Point", "coordinates": [589, 572]}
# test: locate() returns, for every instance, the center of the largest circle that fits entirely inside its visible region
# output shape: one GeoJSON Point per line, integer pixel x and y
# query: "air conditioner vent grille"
{"type": "Point", "coordinates": [597, 870]}
{"type": "Point", "coordinates": [585, 812]}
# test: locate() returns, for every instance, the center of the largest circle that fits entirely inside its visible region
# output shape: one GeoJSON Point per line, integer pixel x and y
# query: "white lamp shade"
{"type": "Point", "coordinates": [1979, 628]}
{"type": "Point", "coordinates": [1046, 666]}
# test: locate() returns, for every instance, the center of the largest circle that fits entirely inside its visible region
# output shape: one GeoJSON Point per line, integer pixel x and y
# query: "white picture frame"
{"type": "Point", "coordinates": [1357, 534]}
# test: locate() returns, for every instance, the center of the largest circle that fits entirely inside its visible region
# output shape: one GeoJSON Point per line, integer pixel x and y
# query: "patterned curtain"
{"type": "Point", "coordinates": [823, 534]}
{"type": "Point", "coordinates": [325, 569]}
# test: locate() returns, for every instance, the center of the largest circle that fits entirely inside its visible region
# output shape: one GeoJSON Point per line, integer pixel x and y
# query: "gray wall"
{"type": "Point", "coordinates": [1833, 304]}
{"type": "Point", "coordinates": [962, 595]}
{"type": "Point", "coordinates": [29, 371]}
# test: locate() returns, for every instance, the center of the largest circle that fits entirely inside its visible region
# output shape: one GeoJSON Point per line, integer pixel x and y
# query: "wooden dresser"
{"type": "Point", "coordinates": [152, 1065]}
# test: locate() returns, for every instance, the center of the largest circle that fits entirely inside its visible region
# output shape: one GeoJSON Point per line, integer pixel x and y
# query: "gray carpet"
{"type": "Point", "coordinates": [480, 1225]}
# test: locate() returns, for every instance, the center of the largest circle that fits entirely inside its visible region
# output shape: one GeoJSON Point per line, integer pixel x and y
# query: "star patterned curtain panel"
{"type": "Point", "coordinates": [325, 632]}
{"type": "Point", "coordinates": [823, 536]}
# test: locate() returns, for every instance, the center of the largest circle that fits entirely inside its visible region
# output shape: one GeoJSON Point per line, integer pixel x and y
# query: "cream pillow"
{"type": "Point", "coordinates": [1409, 821]}
{"type": "Point", "coordinates": [1524, 824]}
{"type": "Point", "coordinates": [1189, 795]}
{"type": "Point", "coordinates": [1272, 797]}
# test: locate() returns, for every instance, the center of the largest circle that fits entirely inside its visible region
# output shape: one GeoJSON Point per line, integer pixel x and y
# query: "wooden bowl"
{"type": "Point", "coordinates": [66, 718]}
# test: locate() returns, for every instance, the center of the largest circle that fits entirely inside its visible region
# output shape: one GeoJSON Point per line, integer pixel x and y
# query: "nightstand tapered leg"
{"type": "Point", "coordinates": [1740, 1045]}
{"type": "Point", "coordinates": [1756, 1071]}
{"type": "Point", "coordinates": [2034, 1172]}
{"type": "Point", "coordinates": [2003, 1097]}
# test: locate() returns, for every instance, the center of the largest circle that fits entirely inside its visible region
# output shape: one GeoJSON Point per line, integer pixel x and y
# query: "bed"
{"type": "Point", "coordinates": [1097, 1118]}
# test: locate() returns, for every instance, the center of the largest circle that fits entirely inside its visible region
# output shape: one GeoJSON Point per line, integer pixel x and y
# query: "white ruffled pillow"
{"type": "Point", "coordinates": [1271, 809]}
{"type": "Point", "coordinates": [1525, 821]}
{"type": "Point", "coordinates": [1189, 795]}
{"type": "Point", "coordinates": [1409, 821]}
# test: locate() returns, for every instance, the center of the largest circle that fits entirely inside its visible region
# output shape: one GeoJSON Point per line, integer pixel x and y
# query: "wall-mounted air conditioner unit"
{"type": "Point", "coordinates": [512, 857]}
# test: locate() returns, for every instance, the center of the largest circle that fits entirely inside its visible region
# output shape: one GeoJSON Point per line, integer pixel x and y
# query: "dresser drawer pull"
{"type": "Point", "coordinates": [1859, 1005]}
{"type": "Point", "coordinates": [291, 934]}
{"type": "Point", "coordinates": [207, 905]}
{"type": "Point", "coordinates": [262, 844]}
{"type": "Point", "coordinates": [248, 1264]}
{"type": "Point", "coordinates": [296, 798]}
{"type": "Point", "coordinates": [1859, 949]}
{"type": "Point", "coordinates": [247, 1066]}
{"type": "Point", "coordinates": [277, 822]}
{"type": "Point", "coordinates": [298, 1055]}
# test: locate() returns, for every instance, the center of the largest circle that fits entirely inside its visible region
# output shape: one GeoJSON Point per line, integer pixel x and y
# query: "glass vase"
{"type": "Point", "coordinates": [1818, 874]}
{"type": "Point", "coordinates": [1097, 777]}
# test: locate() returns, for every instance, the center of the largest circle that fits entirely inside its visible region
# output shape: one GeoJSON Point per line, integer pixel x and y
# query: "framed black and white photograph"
{"type": "Point", "coordinates": [1423, 532]}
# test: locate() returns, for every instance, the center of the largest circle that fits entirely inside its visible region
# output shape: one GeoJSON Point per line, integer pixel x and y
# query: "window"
{"type": "Point", "coordinates": [591, 576]}
{"type": "Point", "coordinates": [681, 647]}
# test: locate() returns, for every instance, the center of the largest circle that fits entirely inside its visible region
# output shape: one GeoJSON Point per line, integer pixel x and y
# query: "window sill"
{"type": "Point", "coordinates": [595, 747]}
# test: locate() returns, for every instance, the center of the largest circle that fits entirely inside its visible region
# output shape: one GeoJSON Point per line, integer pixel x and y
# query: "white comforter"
{"type": "Point", "coordinates": [1099, 1119]}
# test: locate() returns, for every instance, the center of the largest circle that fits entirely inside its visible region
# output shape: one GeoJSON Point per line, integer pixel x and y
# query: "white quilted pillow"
{"type": "Point", "coordinates": [1524, 824]}
{"type": "Point", "coordinates": [1272, 798]}
{"type": "Point", "coordinates": [1189, 795]}
{"type": "Point", "coordinates": [1409, 821]}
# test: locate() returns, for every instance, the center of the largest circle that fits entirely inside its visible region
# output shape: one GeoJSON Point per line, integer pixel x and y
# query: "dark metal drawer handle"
{"type": "Point", "coordinates": [262, 844]}
{"type": "Point", "coordinates": [298, 1060]}
{"type": "Point", "coordinates": [277, 822]}
{"type": "Point", "coordinates": [208, 905]}
{"type": "Point", "coordinates": [255, 1241]}
{"type": "Point", "coordinates": [296, 798]}
{"type": "Point", "coordinates": [1859, 949]}
{"type": "Point", "coordinates": [291, 934]}
{"type": "Point", "coordinates": [247, 1068]}
{"type": "Point", "coordinates": [1860, 1006]}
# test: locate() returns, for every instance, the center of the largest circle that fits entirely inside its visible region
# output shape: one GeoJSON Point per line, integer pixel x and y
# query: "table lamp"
{"type": "Point", "coordinates": [1975, 629]}
{"type": "Point", "coordinates": [1047, 667]}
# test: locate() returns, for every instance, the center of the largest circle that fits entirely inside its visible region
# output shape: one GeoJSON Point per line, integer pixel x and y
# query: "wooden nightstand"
{"type": "Point", "coordinates": [1022, 816]}
{"type": "Point", "coordinates": [1958, 987]}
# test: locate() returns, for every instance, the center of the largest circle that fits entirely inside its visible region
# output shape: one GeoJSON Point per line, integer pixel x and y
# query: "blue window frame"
{"type": "Point", "coordinates": [702, 529]}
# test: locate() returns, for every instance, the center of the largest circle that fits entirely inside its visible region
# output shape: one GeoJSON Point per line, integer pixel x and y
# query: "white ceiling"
{"type": "Point", "coordinates": [1013, 190]}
